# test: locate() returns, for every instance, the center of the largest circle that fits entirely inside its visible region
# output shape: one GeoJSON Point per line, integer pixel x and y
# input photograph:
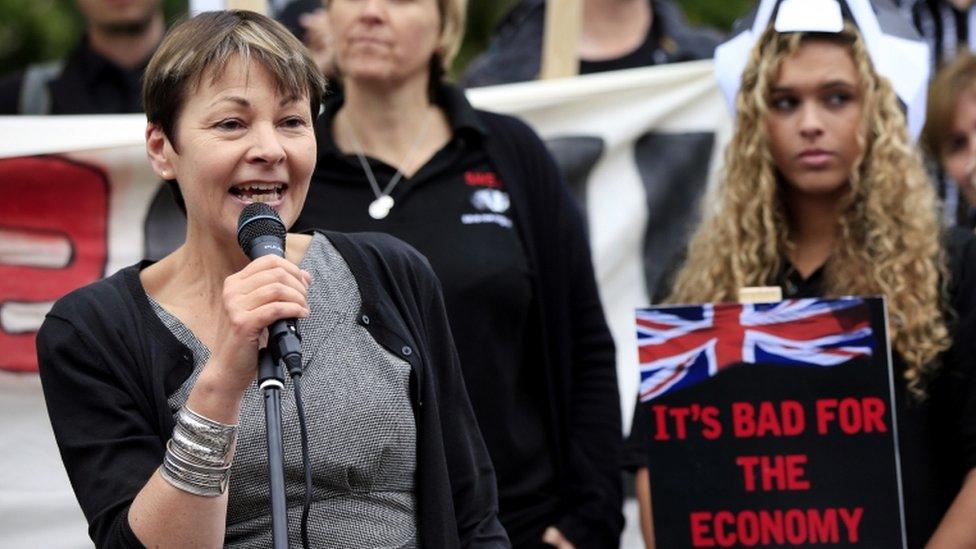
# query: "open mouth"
{"type": "Point", "coordinates": [259, 192]}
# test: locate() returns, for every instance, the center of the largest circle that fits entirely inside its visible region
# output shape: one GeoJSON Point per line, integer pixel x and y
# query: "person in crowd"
{"type": "Point", "coordinates": [823, 195]}
{"type": "Point", "coordinates": [950, 128]}
{"type": "Point", "coordinates": [149, 375]}
{"type": "Point", "coordinates": [308, 20]}
{"type": "Point", "coordinates": [402, 152]}
{"type": "Point", "coordinates": [616, 34]}
{"type": "Point", "coordinates": [103, 74]}
{"type": "Point", "coordinates": [945, 24]}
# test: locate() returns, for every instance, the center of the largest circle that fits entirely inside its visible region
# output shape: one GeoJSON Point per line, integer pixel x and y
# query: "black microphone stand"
{"type": "Point", "coordinates": [271, 382]}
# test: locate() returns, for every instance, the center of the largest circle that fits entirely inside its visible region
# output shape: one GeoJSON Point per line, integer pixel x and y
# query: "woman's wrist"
{"type": "Point", "coordinates": [216, 396]}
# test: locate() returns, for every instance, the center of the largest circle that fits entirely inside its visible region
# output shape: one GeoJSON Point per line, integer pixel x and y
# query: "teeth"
{"type": "Point", "coordinates": [258, 192]}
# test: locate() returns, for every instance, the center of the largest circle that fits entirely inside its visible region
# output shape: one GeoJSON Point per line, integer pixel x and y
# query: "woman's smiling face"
{"type": "Point", "coordinates": [238, 140]}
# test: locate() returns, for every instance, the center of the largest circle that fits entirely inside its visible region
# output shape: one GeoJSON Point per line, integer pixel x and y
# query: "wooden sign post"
{"type": "Point", "coordinates": [260, 6]}
{"type": "Point", "coordinates": [560, 44]}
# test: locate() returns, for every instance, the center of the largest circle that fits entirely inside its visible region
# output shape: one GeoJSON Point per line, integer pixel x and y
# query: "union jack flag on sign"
{"type": "Point", "coordinates": [681, 346]}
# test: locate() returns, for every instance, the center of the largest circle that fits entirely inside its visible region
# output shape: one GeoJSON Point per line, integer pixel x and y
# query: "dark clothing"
{"type": "Point", "coordinates": [108, 365]}
{"type": "Point", "coordinates": [488, 295]}
{"type": "Point", "coordinates": [492, 215]}
{"type": "Point", "coordinates": [937, 437]}
{"type": "Point", "coordinates": [88, 84]}
{"type": "Point", "coordinates": [944, 27]}
{"type": "Point", "coordinates": [515, 51]}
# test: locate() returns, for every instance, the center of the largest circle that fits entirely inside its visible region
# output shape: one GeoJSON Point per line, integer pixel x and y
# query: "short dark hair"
{"type": "Point", "coordinates": [204, 44]}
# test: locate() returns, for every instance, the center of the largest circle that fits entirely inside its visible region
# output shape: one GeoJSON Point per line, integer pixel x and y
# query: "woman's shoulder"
{"type": "Point", "coordinates": [960, 247]}
{"type": "Point", "coordinates": [507, 127]}
{"type": "Point", "coordinates": [107, 298]}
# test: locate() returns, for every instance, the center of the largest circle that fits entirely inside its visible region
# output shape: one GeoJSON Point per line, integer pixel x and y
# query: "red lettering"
{"type": "Point", "coordinates": [723, 538]}
{"type": "Point", "coordinates": [700, 534]}
{"type": "Point", "coordinates": [661, 422]}
{"type": "Point", "coordinates": [772, 471]}
{"type": "Point", "coordinates": [743, 420]}
{"type": "Point", "coordinates": [794, 419]}
{"type": "Point", "coordinates": [851, 415]}
{"type": "Point", "coordinates": [483, 179]}
{"type": "Point", "coordinates": [748, 464]}
{"type": "Point", "coordinates": [60, 203]}
{"type": "Point", "coordinates": [768, 423]}
{"type": "Point", "coordinates": [874, 410]}
{"type": "Point", "coordinates": [796, 526]}
{"type": "Point", "coordinates": [825, 413]}
{"type": "Point", "coordinates": [771, 526]}
{"type": "Point", "coordinates": [823, 527]}
{"type": "Point", "coordinates": [748, 528]}
{"type": "Point", "coordinates": [712, 428]}
{"type": "Point", "coordinates": [680, 416]}
{"type": "Point", "coordinates": [795, 472]}
{"type": "Point", "coordinates": [852, 521]}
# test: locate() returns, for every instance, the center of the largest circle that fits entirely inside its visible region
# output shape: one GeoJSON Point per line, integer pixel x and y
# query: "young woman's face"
{"type": "Point", "coordinates": [239, 141]}
{"type": "Point", "coordinates": [959, 159]}
{"type": "Point", "coordinates": [815, 117]}
{"type": "Point", "coordinates": [384, 41]}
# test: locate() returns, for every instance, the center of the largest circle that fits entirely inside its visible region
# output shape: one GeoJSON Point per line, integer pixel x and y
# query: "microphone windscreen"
{"type": "Point", "coordinates": [258, 219]}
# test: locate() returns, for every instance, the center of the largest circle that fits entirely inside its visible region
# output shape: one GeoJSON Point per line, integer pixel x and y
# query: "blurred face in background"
{"type": "Point", "coordinates": [959, 156]}
{"type": "Point", "coordinates": [384, 41]}
{"type": "Point", "coordinates": [814, 118]}
{"type": "Point", "coordinates": [119, 16]}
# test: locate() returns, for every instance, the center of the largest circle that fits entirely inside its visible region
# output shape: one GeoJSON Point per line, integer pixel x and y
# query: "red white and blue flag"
{"type": "Point", "coordinates": [681, 346]}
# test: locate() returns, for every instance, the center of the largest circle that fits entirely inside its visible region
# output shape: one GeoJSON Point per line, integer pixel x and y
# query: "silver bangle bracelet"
{"type": "Point", "coordinates": [195, 478]}
{"type": "Point", "coordinates": [202, 438]}
{"type": "Point", "coordinates": [197, 456]}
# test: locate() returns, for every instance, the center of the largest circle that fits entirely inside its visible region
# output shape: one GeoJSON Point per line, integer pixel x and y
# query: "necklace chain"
{"type": "Point", "coordinates": [399, 173]}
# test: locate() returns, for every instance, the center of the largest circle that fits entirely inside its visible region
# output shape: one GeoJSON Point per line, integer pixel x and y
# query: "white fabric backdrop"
{"type": "Point", "coordinates": [616, 111]}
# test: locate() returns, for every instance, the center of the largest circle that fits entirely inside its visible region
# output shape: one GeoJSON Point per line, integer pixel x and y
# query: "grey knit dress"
{"type": "Point", "coordinates": [362, 433]}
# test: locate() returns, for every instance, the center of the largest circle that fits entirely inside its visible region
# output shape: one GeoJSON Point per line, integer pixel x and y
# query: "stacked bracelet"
{"type": "Point", "coordinates": [197, 456]}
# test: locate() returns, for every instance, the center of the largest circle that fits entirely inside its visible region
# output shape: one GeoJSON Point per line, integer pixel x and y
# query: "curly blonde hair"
{"type": "Point", "coordinates": [888, 234]}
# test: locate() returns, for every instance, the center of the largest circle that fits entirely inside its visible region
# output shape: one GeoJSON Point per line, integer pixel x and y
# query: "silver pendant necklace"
{"type": "Point", "coordinates": [380, 207]}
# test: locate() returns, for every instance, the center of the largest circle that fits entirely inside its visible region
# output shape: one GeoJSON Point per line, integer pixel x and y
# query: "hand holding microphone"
{"type": "Point", "coordinates": [269, 293]}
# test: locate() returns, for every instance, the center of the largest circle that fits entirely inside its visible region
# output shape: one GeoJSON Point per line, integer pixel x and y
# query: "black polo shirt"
{"type": "Point", "coordinates": [89, 83]}
{"type": "Point", "coordinates": [457, 212]}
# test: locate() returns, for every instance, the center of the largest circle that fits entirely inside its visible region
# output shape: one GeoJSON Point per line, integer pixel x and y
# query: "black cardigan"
{"type": "Point", "coordinates": [575, 345]}
{"type": "Point", "coordinates": [107, 364]}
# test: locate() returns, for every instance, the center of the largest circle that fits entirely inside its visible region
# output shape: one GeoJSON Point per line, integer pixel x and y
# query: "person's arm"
{"type": "Point", "coordinates": [958, 527]}
{"type": "Point", "coordinates": [594, 518]}
{"type": "Point", "coordinates": [109, 442]}
{"type": "Point", "coordinates": [472, 475]}
{"type": "Point", "coordinates": [642, 481]}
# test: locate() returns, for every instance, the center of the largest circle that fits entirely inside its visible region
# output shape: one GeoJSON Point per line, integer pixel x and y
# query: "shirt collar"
{"type": "Point", "coordinates": [95, 65]}
{"type": "Point", "coordinates": [461, 115]}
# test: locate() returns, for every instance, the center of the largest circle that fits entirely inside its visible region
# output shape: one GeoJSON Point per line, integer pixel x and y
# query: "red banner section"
{"type": "Point", "coordinates": [54, 230]}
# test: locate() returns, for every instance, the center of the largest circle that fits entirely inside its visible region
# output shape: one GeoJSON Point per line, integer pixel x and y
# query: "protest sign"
{"type": "Point", "coordinates": [771, 424]}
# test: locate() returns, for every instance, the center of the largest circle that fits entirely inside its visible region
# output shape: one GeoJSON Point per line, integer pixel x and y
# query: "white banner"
{"type": "Point", "coordinates": [80, 201]}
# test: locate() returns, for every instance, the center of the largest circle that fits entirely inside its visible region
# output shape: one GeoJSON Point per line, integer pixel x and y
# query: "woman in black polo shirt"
{"type": "Point", "coordinates": [478, 194]}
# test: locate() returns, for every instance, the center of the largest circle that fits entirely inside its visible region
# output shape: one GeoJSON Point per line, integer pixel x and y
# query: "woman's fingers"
{"type": "Point", "coordinates": [269, 288]}
{"type": "Point", "coordinates": [275, 292]}
{"type": "Point", "coordinates": [274, 275]}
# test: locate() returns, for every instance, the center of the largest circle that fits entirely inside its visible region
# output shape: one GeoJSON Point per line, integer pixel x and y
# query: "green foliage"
{"type": "Point", "coordinates": [719, 14]}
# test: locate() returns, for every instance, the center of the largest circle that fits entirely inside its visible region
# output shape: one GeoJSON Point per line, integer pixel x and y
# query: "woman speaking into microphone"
{"type": "Point", "coordinates": [149, 374]}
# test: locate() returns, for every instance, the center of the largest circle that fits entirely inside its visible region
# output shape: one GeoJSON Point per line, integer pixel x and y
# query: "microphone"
{"type": "Point", "coordinates": [260, 232]}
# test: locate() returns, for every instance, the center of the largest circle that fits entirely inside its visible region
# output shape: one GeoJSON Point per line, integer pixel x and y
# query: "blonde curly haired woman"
{"type": "Point", "coordinates": [823, 195]}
